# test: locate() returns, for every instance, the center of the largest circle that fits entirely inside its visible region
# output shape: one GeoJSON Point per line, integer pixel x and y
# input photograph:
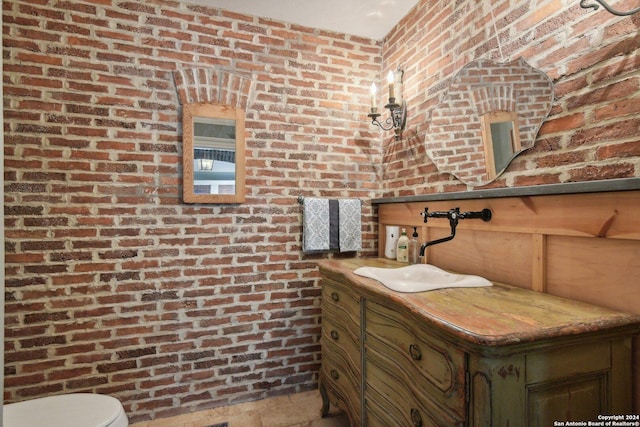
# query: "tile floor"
{"type": "Point", "coordinates": [295, 410]}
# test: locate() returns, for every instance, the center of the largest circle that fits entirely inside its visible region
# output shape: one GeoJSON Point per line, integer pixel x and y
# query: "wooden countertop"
{"type": "Point", "coordinates": [490, 316]}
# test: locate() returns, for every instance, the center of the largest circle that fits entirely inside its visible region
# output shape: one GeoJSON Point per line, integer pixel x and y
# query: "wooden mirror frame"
{"type": "Point", "coordinates": [215, 111]}
{"type": "Point", "coordinates": [513, 145]}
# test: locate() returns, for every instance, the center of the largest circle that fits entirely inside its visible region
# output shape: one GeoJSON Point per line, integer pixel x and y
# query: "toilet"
{"type": "Point", "coordinates": [68, 410]}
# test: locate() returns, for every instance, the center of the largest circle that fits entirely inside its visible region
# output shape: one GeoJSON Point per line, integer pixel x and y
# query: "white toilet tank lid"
{"type": "Point", "coordinates": [68, 410]}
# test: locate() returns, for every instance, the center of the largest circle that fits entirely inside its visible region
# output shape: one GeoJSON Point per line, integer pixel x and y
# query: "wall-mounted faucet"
{"type": "Point", "coordinates": [454, 216]}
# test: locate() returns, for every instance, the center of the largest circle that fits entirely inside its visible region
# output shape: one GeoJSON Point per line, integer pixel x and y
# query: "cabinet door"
{"type": "Point", "coordinates": [578, 400]}
{"type": "Point", "coordinates": [546, 383]}
{"type": "Point", "coordinates": [568, 383]}
{"type": "Point", "coordinates": [410, 371]}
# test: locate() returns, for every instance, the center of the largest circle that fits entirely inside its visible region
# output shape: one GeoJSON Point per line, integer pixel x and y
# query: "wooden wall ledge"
{"type": "Point", "coordinates": [622, 184]}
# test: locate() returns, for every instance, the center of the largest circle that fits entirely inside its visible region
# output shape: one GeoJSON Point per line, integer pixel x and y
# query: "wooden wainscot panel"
{"type": "Point", "coordinates": [604, 272]}
{"type": "Point", "coordinates": [498, 256]}
{"type": "Point", "coordinates": [603, 215]}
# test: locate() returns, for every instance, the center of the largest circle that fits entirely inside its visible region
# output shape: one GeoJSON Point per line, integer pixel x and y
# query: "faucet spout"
{"type": "Point", "coordinates": [435, 242]}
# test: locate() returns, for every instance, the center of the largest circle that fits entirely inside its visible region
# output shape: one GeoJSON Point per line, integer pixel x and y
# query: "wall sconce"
{"type": "Point", "coordinates": [398, 111]}
{"type": "Point", "coordinates": [206, 164]}
{"type": "Point", "coordinates": [586, 4]}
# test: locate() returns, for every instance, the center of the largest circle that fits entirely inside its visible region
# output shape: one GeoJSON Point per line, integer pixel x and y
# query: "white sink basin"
{"type": "Point", "coordinates": [420, 278]}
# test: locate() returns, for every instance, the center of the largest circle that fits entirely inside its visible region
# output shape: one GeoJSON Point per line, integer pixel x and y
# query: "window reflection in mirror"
{"type": "Point", "coordinates": [501, 136]}
{"type": "Point", "coordinates": [213, 154]}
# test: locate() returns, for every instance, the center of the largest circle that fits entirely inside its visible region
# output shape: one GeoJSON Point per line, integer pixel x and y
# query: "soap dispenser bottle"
{"type": "Point", "coordinates": [392, 241]}
{"type": "Point", "coordinates": [402, 249]}
{"type": "Point", "coordinates": [414, 247]}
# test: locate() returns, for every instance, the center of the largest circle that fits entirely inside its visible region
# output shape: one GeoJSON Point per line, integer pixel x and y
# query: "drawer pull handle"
{"type": "Point", "coordinates": [335, 296]}
{"type": "Point", "coordinates": [334, 374]}
{"type": "Point", "coordinates": [334, 335]}
{"type": "Point", "coordinates": [416, 419]}
{"type": "Point", "coordinates": [415, 352]}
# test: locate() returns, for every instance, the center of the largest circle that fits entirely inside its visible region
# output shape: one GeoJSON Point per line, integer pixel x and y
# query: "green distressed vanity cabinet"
{"type": "Point", "coordinates": [495, 356]}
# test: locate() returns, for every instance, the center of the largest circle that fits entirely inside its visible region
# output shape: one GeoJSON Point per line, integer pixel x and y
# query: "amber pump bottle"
{"type": "Point", "coordinates": [414, 247]}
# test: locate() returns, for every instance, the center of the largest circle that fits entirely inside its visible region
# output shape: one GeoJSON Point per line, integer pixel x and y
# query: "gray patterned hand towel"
{"type": "Point", "coordinates": [315, 220]}
{"type": "Point", "coordinates": [350, 214]}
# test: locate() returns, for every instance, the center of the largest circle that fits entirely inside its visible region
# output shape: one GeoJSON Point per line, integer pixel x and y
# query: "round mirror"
{"type": "Point", "coordinates": [491, 113]}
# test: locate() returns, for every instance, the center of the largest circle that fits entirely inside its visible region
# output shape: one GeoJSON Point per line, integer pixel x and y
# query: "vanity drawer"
{"type": "Point", "coordinates": [341, 305]}
{"type": "Point", "coordinates": [341, 378]}
{"type": "Point", "coordinates": [336, 398]}
{"type": "Point", "coordinates": [338, 295]}
{"type": "Point", "coordinates": [338, 339]}
{"type": "Point", "coordinates": [427, 368]}
{"type": "Point", "coordinates": [391, 402]}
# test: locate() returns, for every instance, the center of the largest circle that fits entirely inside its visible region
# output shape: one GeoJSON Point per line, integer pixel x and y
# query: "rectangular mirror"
{"type": "Point", "coordinates": [501, 136]}
{"type": "Point", "coordinates": [213, 154]}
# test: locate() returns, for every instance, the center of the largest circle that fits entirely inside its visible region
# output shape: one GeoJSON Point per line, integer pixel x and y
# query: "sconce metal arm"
{"type": "Point", "coordinates": [396, 120]}
{"type": "Point", "coordinates": [454, 215]}
{"type": "Point", "coordinates": [586, 4]}
{"type": "Point", "coordinates": [389, 121]}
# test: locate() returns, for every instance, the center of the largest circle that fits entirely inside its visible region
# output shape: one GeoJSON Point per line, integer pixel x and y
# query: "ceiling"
{"type": "Point", "coordinates": [366, 18]}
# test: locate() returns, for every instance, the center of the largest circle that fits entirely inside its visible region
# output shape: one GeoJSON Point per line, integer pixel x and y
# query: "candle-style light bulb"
{"type": "Point", "coordinates": [390, 80]}
{"type": "Point", "coordinates": [374, 91]}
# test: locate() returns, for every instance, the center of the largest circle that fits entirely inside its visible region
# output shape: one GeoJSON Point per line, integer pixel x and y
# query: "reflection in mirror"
{"type": "Point", "coordinates": [213, 154]}
{"type": "Point", "coordinates": [501, 136]}
{"type": "Point", "coordinates": [490, 114]}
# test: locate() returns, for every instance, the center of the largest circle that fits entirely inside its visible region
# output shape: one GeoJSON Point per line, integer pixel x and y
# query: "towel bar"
{"type": "Point", "coordinates": [301, 200]}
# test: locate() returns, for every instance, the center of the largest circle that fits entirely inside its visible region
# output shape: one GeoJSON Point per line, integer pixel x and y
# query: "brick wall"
{"type": "Point", "coordinates": [591, 56]}
{"type": "Point", "coordinates": [113, 285]}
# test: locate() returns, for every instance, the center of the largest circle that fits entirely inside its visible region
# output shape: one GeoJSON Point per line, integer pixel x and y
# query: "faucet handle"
{"type": "Point", "coordinates": [425, 214]}
{"type": "Point", "coordinates": [438, 214]}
